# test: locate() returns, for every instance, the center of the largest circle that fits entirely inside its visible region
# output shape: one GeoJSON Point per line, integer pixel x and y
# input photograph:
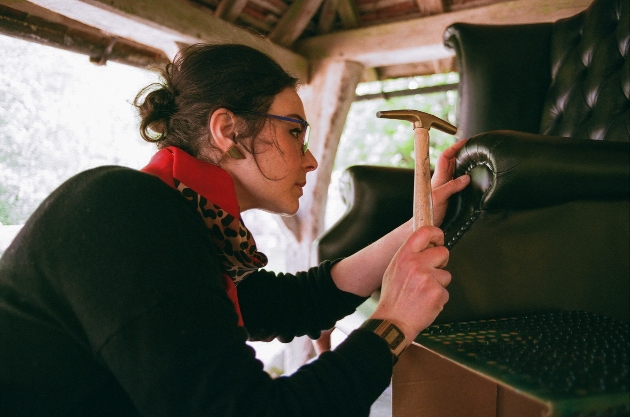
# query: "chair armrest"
{"type": "Point", "coordinates": [505, 72]}
{"type": "Point", "coordinates": [379, 199]}
{"type": "Point", "coordinates": [515, 171]}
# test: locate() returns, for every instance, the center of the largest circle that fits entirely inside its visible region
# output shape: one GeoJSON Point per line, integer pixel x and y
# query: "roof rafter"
{"type": "Point", "coordinates": [327, 15]}
{"type": "Point", "coordinates": [230, 9]}
{"type": "Point", "coordinates": [429, 7]}
{"type": "Point", "coordinates": [31, 24]}
{"type": "Point", "coordinates": [348, 14]}
{"type": "Point", "coordinates": [294, 21]}
{"type": "Point", "coordinates": [420, 39]}
{"type": "Point", "coordinates": [165, 25]}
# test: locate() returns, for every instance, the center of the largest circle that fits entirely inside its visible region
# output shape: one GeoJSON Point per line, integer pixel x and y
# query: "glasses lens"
{"type": "Point", "coordinates": [307, 135]}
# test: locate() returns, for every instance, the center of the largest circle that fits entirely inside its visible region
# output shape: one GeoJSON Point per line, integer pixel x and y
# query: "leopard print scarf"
{"type": "Point", "coordinates": [210, 190]}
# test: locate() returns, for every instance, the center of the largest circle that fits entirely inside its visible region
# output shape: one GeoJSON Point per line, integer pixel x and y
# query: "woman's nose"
{"type": "Point", "coordinates": [309, 161]}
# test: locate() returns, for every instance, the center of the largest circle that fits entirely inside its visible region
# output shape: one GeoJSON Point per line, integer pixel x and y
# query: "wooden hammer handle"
{"type": "Point", "coordinates": [422, 197]}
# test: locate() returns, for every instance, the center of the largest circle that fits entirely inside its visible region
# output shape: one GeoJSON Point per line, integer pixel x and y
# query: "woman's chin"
{"type": "Point", "coordinates": [289, 213]}
{"type": "Point", "coordinates": [285, 212]}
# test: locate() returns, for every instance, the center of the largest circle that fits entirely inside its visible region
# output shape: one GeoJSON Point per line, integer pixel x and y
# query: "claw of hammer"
{"type": "Point", "coordinates": [422, 122]}
{"type": "Point", "coordinates": [419, 119]}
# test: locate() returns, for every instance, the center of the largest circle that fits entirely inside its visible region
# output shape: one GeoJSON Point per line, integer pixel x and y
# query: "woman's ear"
{"type": "Point", "coordinates": [222, 127]}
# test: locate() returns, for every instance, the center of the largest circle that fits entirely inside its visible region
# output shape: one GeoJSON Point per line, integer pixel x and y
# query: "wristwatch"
{"type": "Point", "coordinates": [390, 333]}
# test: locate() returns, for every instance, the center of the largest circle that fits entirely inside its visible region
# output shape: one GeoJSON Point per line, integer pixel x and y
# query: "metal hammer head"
{"type": "Point", "coordinates": [419, 119]}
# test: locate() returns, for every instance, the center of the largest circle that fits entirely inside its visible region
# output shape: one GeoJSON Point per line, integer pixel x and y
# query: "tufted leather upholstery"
{"type": "Point", "coordinates": [527, 172]}
{"type": "Point", "coordinates": [589, 95]}
{"type": "Point", "coordinates": [568, 78]}
{"type": "Point", "coordinates": [545, 223]}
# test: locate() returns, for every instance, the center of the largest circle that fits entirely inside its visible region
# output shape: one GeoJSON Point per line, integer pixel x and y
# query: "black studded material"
{"type": "Point", "coordinates": [578, 361]}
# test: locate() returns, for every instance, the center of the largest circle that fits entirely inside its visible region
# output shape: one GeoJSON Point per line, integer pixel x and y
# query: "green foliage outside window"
{"type": "Point", "coordinates": [59, 115]}
{"type": "Point", "coordinates": [369, 140]}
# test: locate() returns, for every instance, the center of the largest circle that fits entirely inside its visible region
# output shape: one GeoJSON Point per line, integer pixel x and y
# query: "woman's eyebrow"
{"type": "Point", "coordinates": [296, 116]}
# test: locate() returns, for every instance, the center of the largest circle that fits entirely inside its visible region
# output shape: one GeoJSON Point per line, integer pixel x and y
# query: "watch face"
{"type": "Point", "coordinates": [393, 336]}
{"type": "Point", "coordinates": [390, 333]}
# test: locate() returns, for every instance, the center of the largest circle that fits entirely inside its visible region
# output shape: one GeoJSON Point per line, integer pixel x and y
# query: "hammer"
{"type": "Point", "coordinates": [422, 122]}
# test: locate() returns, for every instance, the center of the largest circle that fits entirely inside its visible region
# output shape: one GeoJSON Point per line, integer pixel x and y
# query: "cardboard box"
{"type": "Point", "coordinates": [429, 385]}
{"type": "Point", "coordinates": [564, 364]}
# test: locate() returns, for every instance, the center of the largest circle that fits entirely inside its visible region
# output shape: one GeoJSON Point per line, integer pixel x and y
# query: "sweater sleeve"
{"type": "Point", "coordinates": [286, 305]}
{"type": "Point", "coordinates": [135, 267]}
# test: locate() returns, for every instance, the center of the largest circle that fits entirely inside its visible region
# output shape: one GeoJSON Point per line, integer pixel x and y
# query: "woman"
{"type": "Point", "coordinates": [133, 293]}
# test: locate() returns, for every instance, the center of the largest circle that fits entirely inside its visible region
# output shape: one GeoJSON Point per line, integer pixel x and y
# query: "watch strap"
{"type": "Point", "coordinates": [390, 333]}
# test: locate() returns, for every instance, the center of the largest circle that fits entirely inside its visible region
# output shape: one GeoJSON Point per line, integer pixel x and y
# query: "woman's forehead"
{"type": "Point", "coordinates": [287, 102]}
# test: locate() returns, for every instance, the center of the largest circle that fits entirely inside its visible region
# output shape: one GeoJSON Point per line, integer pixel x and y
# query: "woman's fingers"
{"type": "Point", "coordinates": [443, 193]}
{"type": "Point", "coordinates": [446, 163]}
{"type": "Point", "coordinates": [420, 239]}
{"type": "Point", "coordinates": [413, 291]}
{"type": "Point", "coordinates": [434, 256]}
{"type": "Point", "coordinates": [443, 277]}
{"type": "Point", "coordinates": [453, 150]}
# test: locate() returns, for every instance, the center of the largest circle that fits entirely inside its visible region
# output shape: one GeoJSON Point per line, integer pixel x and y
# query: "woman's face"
{"type": "Point", "coordinates": [275, 183]}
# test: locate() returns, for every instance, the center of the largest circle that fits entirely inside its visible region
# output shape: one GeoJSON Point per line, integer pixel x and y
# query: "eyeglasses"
{"type": "Point", "coordinates": [305, 131]}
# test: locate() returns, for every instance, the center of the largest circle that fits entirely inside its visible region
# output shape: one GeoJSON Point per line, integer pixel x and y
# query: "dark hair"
{"type": "Point", "coordinates": [201, 79]}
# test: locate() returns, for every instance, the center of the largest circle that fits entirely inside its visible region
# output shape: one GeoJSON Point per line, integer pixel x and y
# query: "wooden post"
{"type": "Point", "coordinates": [327, 99]}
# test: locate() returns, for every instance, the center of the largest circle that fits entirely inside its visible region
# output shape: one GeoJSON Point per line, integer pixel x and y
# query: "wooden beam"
{"type": "Point", "coordinates": [327, 15]}
{"type": "Point", "coordinates": [229, 10]}
{"type": "Point", "coordinates": [421, 39]}
{"type": "Point", "coordinates": [404, 93]}
{"type": "Point", "coordinates": [294, 21]}
{"type": "Point", "coordinates": [256, 20]}
{"type": "Point", "coordinates": [327, 100]}
{"type": "Point", "coordinates": [348, 14]}
{"type": "Point", "coordinates": [116, 23]}
{"type": "Point", "coordinates": [71, 36]}
{"type": "Point", "coordinates": [382, 5]}
{"type": "Point", "coordinates": [419, 68]}
{"type": "Point", "coordinates": [370, 74]}
{"type": "Point", "coordinates": [166, 24]}
{"type": "Point", "coordinates": [277, 7]}
{"type": "Point", "coordinates": [429, 7]}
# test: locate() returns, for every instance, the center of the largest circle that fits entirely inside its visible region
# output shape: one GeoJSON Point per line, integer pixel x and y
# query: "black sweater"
{"type": "Point", "coordinates": [112, 304]}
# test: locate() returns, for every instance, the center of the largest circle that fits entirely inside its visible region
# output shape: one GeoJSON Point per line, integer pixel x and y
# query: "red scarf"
{"type": "Point", "coordinates": [211, 190]}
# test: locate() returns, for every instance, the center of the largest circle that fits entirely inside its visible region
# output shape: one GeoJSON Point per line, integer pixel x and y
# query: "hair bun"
{"type": "Point", "coordinates": [156, 110]}
{"type": "Point", "coordinates": [162, 102]}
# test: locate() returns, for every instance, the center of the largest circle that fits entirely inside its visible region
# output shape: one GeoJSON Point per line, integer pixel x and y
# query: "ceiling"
{"type": "Point", "coordinates": [390, 38]}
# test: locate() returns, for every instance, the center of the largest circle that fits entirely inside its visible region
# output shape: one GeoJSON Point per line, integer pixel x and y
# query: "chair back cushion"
{"type": "Point", "coordinates": [589, 96]}
{"type": "Point", "coordinates": [503, 75]}
{"type": "Point", "coordinates": [568, 78]}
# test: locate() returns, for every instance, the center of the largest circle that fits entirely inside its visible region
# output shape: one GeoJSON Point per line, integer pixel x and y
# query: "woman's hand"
{"type": "Point", "coordinates": [442, 183]}
{"type": "Point", "coordinates": [362, 272]}
{"type": "Point", "coordinates": [414, 284]}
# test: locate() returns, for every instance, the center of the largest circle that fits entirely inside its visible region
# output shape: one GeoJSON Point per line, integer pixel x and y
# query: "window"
{"type": "Point", "coordinates": [59, 115]}
{"type": "Point", "coordinates": [367, 139]}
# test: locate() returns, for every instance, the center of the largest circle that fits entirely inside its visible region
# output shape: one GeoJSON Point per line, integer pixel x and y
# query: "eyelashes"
{"type": "Point", "coordinates": [296, 132]}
